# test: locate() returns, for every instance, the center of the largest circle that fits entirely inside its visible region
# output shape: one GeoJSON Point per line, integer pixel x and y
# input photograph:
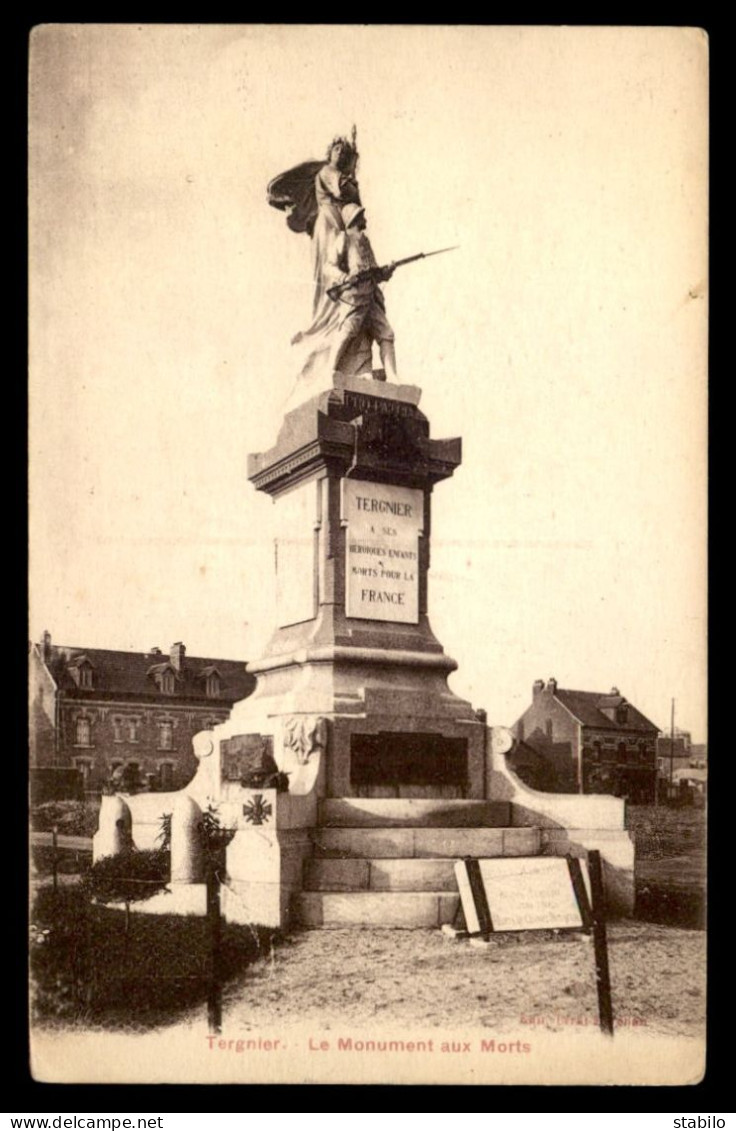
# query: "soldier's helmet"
{"type": "Point", "coordinates": [351, 212]}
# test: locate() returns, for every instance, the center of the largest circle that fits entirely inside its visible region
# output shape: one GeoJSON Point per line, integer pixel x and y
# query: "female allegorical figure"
{"type": "Point", "coordinates": [314, 195]}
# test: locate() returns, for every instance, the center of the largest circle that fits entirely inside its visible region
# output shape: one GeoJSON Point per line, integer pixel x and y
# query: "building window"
{"type": "Point", "coordinates": [133, 725]}
{"type": "Point", "coordinates": [85, 676]}
{"type": "Point", "coordinates": [83, 732]}
{"type": "Point", "coordinates": [213, 685]}
{"type": "Point", "coordinates": [131, 777]}
{"type": "Point", "coordinates": [548, 729]}
{"type": "Point", "coordinates": [165, 736]}
{"type": "Point", "coordinates": [117, 728]}
{"type": "Point", "coordinates": [167, 683]}
{"type": "Point", "coordinates": [84, 766]}
{"type": "Point", "coordinates": [622, 715]}
{"type": "Point", "coordinates": [166, 776]}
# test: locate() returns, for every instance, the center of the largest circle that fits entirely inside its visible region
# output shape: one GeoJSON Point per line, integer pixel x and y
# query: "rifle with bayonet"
{"type": "Point", "coordinates": [381, 274]}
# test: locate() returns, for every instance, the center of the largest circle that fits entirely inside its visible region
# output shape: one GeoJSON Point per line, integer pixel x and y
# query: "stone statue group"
{"type": "Point", "coordinates": [322, 198]}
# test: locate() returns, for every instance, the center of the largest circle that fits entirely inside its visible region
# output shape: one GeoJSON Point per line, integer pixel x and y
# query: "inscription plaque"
{"type": "Point", "coordinates": [396, 758]}
{"type": "Point", "coordinates": [523, 893]}
{"type": "Point", "coordinates": [245, 754]}
{"type": "Point", "coordinates": [384, 524]}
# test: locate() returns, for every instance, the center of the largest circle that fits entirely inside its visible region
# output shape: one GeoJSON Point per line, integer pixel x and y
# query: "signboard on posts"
{"type": "Point", "coordinates": [534, 893]}
{"type": "Point", "coordinates": [520, 894]}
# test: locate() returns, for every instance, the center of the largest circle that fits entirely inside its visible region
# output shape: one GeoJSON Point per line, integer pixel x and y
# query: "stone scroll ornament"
{"type": "Point", "coordinates": [305, 736]}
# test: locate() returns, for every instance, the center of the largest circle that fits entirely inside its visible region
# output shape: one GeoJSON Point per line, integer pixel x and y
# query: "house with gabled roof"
{"type": "Point", "coordinates": [586, 742]}
{"type": "Point", "coordinates": [98, 711]}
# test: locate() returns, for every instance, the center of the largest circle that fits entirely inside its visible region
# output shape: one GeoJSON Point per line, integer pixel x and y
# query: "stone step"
{"type": "Point", "coordinates": [414, 875]}
{"type": "Point", "coordinates": [407, 843]}
{"type": "Point", "coordinates": [391, 812]}
{"type": "Point", "coordinates": [375, 909]}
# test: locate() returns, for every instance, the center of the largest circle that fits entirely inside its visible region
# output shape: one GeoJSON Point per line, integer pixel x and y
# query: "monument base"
{"type": "Point", "coordinates": [391, 777]}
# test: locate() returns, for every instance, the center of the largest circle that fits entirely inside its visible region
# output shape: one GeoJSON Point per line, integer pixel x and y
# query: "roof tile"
{"type": "Point", "coordinates": [131, 674]}
{"type": "Point", "coordinates": [586, 707]}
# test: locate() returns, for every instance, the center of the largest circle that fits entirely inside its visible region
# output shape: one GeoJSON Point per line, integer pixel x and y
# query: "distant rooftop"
{"type": "Point", "coordinates": [134, 674]}
{"type": "Point", "coordinates": [587, 707]}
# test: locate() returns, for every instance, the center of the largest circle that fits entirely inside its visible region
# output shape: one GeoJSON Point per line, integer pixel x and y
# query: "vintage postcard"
{"type": "Point", "coordinates": [368, 479]}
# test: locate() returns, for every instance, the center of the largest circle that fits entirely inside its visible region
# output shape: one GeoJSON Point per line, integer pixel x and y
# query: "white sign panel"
{"type": "Point", "coordinates": [295, 555]}
{"type": "Point", "coordinates": [384, 524]}
{"type": "Point", "coordinates": [523, 893]}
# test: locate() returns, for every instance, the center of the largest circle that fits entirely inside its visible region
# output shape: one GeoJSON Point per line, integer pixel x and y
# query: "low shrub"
{"type": "Point", "coordinates": [72, 818]}
{"type": "Point", "coordinates": [87, 970]}
{"type": "Point", "coordinates": [128, 877]}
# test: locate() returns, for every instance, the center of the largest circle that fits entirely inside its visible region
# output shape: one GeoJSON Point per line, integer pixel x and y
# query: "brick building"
{"type": "Point", "coordinates": [96, 710]}
{"type": "Point", "coordinates": [586, 742]}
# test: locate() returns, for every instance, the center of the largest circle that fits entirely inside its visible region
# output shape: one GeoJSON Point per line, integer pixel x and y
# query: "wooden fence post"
{"type": "Point", "coordinates": [214, 997]}
{"type": "Point", "coordinates": [600, 942]}
{"type": "Point", "coordinates": [54, 862]}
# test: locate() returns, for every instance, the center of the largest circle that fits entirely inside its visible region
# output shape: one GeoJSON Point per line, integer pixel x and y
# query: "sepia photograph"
{"type": "Point", "coordinates": [367, 554]}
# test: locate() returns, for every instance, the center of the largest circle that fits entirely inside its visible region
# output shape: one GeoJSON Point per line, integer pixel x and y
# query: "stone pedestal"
{"type": "Point", "coordinates": [353, 672]}
{"type": "Point", "coordinates": [390, 775]}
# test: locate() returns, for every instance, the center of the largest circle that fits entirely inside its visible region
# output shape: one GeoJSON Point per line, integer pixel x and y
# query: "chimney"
{"type": "Point", "coordinates": [46, 646]}
{"type": "Point", "coordinates": [155, 651]}
{"type": "Point", "coordinates": [615, 691]}
{"type": "Point", "coordinates": [177, 652]}
{"type": "Point", "coordinates": [552, 684]}
{"type": "Point", "coordinates": [537, 688]}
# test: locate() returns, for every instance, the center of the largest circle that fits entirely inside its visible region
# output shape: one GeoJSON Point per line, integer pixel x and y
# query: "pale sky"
{"type": "Point", "coordinates": [564, 341]}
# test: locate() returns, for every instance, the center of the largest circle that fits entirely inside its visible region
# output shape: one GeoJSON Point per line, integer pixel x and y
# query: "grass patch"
{"type": "Point", "coordinates": [671, 864]}
{"type": "Point", "coordinates": [673, 906]}
{"type": "Point", "coordinates": [660, 831]}
{"type": "Point", "coordinates": [69, 861]}
{"type": "Point", "coordinates": [86, 970]}
{"type": "Point", "coordinates": [72, 818]}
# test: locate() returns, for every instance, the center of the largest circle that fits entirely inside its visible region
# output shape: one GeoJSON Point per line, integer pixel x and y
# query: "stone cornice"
{"type": "Point", "coordinates": [344, 654]}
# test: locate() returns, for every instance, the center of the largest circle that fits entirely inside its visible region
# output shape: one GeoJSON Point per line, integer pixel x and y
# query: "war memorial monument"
{"type": "Point", "coordinates": [353, 776]}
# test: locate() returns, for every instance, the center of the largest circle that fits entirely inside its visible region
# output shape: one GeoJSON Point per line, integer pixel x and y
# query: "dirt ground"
{"type": "Point", "coordinates": [354, 977]}
{"type": "Point", "coordinates": [418, 978]}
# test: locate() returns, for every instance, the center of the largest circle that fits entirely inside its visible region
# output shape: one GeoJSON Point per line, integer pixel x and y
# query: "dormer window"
{"type": "Point", "coordinates": [82, 672]}
{"type": "Point", "coordinates": [622, 715]}
{"type": "Point", "coordinates": [164, 676]}
{"type": "Point", "coordinates": [213, 685]}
